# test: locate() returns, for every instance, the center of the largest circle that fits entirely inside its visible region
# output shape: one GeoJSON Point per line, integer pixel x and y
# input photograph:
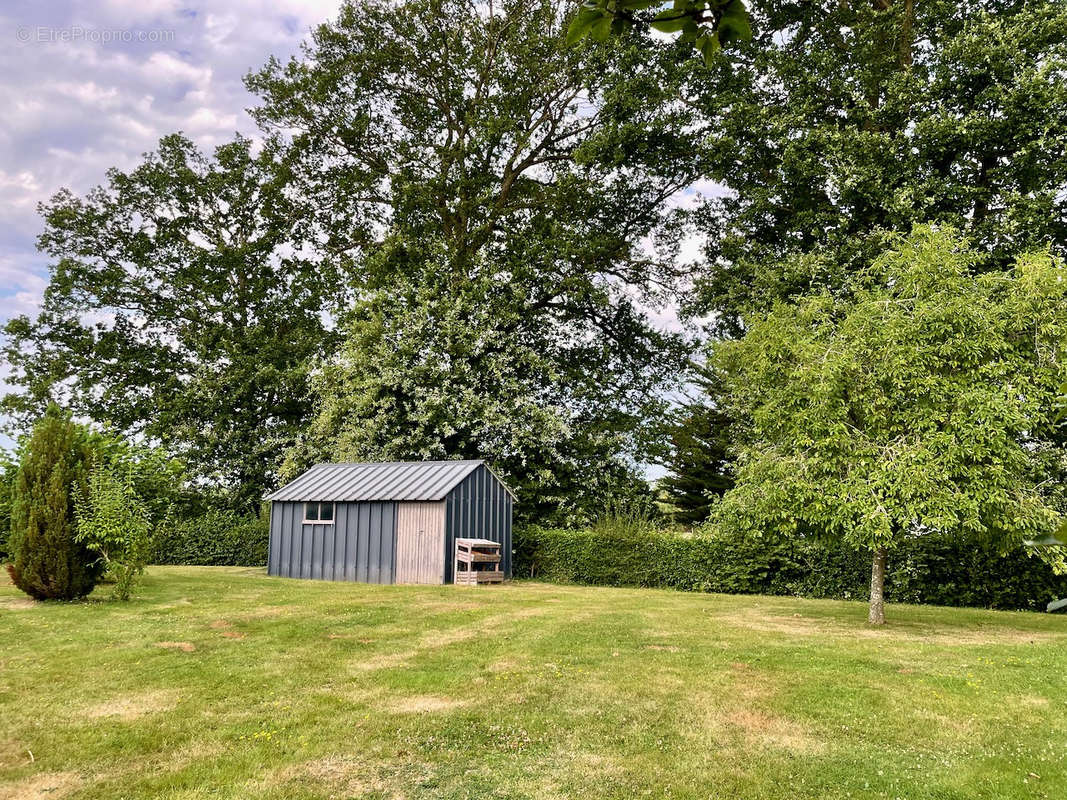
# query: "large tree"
{"type": "Point", "coordinates": [842, 118]}
{"type": "Point", "coordinates": [183, 307]}
{"type": "Point", "coordinates": [918, 404]}
{"type": "Point", "coordinates": [491, 187]}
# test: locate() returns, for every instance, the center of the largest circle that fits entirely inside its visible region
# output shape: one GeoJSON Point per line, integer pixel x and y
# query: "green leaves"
{"type": "Point", "coordinates": [838, 128]}
{"type": "Point", "coordinates": [113, 522]}
{"type": "Point", "coordinates": [496, 314]}
{"type": "Point", "coordinates": [671, 21]}
{"type": "Point", "coordinates": [593, 21]}
{"type": "Point", "coordinates": [903, 409]}
{"type": "Point", "coordinates": [706, 24]}
{"type": "Point", "coordinates": [734, 24]}
{"type": "Point", "coordinates": [708, 45]}
{"type": "Point", "coordinates": [183, 305]}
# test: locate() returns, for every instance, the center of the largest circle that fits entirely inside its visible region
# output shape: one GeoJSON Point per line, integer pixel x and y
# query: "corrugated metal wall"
{"type": "Point", "coordinates": [359, 546]}
{"type": "Point", "coordinates": [478, 508]}
{"type": "Point", "coordinates": [420, 542]}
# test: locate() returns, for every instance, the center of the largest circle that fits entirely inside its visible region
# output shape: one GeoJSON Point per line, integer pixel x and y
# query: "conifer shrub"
{"type": "Point", "coordinates": [47, 561]}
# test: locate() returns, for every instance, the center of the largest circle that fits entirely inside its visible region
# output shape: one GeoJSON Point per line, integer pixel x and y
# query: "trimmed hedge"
{"type": "Point", "coordinates": [926, 570]}
{"type": "Point", "coordinates": [217, 538]}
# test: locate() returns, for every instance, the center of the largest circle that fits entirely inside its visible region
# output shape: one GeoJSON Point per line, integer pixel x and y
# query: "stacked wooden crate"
{"type": "Point", "coordinates": [477, 561]}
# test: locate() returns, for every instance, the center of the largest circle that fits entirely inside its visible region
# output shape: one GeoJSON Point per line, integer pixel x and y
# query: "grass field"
{"type": "Point", "coordinates": [224, 683]}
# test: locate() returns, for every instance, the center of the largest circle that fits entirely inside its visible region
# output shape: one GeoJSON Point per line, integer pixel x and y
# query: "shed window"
{"type": "Point", "coordinates": [319, 513]}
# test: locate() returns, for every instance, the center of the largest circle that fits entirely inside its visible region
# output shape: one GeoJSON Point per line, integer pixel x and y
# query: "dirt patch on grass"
{"type": "Point", "coordinates": [769, 729]}
{"type": "Point", "coordinates": [13, 754]}
{"type": "Point", "coordinates": [181, 601]}
{"type": "Point", "coordinates": [185, 647]}
{"type": "Point", "coordinates": [767, 621]}
{"type": "Point", "coordinates": [131, 707]}
{"type": "Point", "coordinates": [1032, 700]}
{"type": "Point", "coordinates": [380, 661]}
{"type": "Point", "coordinates": [424, 704]}
{"type": "Point", "coordinates": [17, 603]}
{"type": "Point", "coordinates": [352, 776]}
{"type": "Point", "coordinates": [50, 785]}
{"type": "Point", "coordinates": [225, 629]}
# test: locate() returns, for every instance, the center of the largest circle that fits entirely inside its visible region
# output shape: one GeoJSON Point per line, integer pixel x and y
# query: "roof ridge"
{"type": "Point", "coordinates": [390, 463]}
{"type": "Point", "coordinates": [356, 481]}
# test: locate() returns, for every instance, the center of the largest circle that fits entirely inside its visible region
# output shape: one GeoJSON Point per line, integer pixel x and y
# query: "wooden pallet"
{"type": "Point", "coordinates": [477, 561]}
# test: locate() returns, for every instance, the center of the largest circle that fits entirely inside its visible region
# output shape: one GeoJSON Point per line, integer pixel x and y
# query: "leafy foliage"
{"type": "Point", "coordinates": [47, 561]}
{"type": "Point", "coordinates": [840, 120]}
{"type": "Point", "coordinates": [629, 517]}
{"type": "Point", "coordinates": [216, 538]}
{"type": "Point", "coordinates": [472, 169]}
{"type": "Point", "coordinates": [159, 481]}
{"type": "Point", "coordinates": [181, 307]}
{"type": "Point", "coordinates": [917, 405]}
{"type": "Point", "coordinates": [707, 25]}
{"type": "Point", "coordinates": [9, 469]}
{"type": "Point", "coordinates": [114, 523]}
{"type": "Point", "coordinates": [961, 572]}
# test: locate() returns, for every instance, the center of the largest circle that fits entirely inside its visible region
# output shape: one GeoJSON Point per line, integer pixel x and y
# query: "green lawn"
{"type": "Point", "coordinates": [224, 683]}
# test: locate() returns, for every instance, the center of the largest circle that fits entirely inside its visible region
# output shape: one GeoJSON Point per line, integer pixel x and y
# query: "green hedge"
{"type": "Point", "coordinates": [927, 570]}
{"type": "Point", "coordinates": [218, 538]}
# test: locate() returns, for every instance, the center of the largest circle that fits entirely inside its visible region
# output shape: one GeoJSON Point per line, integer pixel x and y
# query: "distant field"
{"type": "Point", "coordinates": [224, 683]}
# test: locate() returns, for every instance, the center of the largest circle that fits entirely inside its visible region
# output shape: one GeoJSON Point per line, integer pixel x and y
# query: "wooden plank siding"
{"type": "Point", "coordinates": [420, 542]}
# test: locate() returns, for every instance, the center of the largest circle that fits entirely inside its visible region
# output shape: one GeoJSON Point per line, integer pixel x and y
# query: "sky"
{"type": "Point", "coordinates": [88, 86]}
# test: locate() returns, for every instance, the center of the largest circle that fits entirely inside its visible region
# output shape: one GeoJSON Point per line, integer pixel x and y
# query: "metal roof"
{"type": "Point", "coordinates": [390, 480]}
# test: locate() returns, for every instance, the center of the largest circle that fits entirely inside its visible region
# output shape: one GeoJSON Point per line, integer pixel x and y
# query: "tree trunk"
{"type": "Point", "coordinates": [876, 616]}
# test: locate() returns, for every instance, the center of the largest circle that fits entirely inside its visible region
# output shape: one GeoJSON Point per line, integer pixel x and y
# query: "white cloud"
{"type": "Point", "coordinates": [81, 104]}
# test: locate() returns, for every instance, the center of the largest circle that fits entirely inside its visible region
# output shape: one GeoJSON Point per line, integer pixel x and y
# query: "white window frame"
{"type": "Point", "coordinates": [320, 504]}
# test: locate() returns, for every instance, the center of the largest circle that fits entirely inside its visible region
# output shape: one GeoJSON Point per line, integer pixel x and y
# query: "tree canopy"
{"type": "Point", "coordinates": [916, 404]}
{"type": "Point", "coordinates": [183, 307]}
{"type": "Point", "coordinates": [839, 120]}
{"type": "Point", "coordinates": [491, 187]}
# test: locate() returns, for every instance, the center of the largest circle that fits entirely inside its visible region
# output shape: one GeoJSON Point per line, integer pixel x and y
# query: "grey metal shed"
{"type": "Point", "coordinates": [390, 522]}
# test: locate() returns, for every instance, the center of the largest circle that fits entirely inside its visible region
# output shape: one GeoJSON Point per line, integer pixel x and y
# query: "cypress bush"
{"type": "Point", "coordinates": [924, 570]}
{"type": "Point", "coordinates": [46, 560]}
{"type": "Point", "coordinates": [216, 538]}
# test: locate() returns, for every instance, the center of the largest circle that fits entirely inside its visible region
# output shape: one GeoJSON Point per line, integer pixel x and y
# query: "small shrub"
{"type": "Point", "coordinates": [925, 570]}
{"type": "Point", "coordinates": [47, 561]}
{"type": "Point", "coordinates": [626, 519]}
{"type": "Point", "coordinates": [216, 538]}
{"type": "Point", "coordinates": [114, 523]}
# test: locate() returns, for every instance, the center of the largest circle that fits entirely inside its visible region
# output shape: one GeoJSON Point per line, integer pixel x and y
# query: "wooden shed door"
{"type": "Point", "coordinates": [420, 542]}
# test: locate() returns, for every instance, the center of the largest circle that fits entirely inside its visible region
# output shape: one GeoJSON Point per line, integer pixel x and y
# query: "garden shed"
{"type": "Point", "coordinates": [390, 522]}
